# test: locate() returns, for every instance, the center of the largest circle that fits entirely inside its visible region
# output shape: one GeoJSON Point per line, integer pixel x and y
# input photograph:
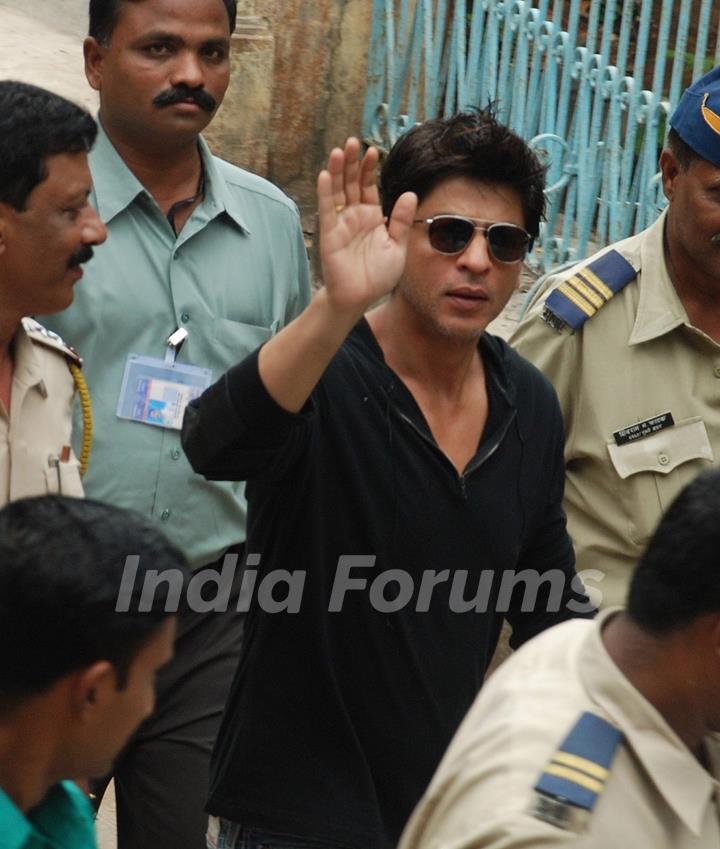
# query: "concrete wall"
{"type": "Point", "coordinates": [299, 71]}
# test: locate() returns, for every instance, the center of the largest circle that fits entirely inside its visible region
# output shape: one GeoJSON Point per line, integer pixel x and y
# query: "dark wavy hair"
{"type": "Point", "coordinates": [470, 144]}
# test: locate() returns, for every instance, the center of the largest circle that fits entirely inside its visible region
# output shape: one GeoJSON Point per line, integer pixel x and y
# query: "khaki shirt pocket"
{"type": "Point", "coordinates": [64, 479]}
{"type": "Point", "coordinates": [654, 469]}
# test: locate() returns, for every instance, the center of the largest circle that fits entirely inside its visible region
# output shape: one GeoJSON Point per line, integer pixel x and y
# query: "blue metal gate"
{"type": "Point", "coordinates": [589, 83]}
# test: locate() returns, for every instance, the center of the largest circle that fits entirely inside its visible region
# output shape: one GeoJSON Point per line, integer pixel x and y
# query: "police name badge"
{"type": "Point", "coordinates": [639, 430]}
{"type": "Point", "coordinates": [559, 813]}
{"type": "Point", "coordinates": [156, 392]}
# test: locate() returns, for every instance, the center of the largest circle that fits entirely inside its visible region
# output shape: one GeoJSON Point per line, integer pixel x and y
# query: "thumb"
{"type": "Point", "coordinates": [401, 217]}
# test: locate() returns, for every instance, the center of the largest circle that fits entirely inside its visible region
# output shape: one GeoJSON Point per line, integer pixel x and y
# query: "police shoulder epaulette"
{"type": "Point", "coordinates": [575, 776]}
{"type": "Point", "coordinates": [579, 297]}
{"type": "Point", "coordinates": [42, 336]}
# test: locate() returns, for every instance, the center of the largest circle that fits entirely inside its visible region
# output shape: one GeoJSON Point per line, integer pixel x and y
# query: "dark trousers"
{"type": "Point", "coordinates": [162, 775]}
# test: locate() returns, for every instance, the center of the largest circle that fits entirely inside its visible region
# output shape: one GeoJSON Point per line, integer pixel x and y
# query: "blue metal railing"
{"type": "Point", "coordinates": [590, 89]}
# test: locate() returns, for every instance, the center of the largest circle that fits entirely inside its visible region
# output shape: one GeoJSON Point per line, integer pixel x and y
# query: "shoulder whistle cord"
{"type": "Point", "coordinates": [86, 405]}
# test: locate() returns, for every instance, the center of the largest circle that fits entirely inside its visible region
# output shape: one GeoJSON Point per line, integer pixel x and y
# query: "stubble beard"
{"type": "Point", "coordinates": [427, 312]}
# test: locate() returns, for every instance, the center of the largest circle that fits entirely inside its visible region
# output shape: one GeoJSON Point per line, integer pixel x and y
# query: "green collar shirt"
{"type": "Point", "coordinates": [235, 274]}
{"type": "Point", "coordinates": [63, 820]}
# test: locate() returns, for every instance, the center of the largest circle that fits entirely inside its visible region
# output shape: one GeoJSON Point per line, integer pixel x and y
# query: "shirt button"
{"type": "Point", "coordinates": [175, 454]}
{"type": "Point", "coordinates": [165, 515]}
{"type": "Point", "coordinates": [186, 317]}
{"type": "Point", "coordinates": [716, 371]}
{"type": "Point", "coordinates": [663, 459]}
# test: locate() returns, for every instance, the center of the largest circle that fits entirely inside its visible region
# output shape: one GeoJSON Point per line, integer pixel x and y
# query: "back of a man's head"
{"type": "Point", "coordinates": [472, 144]}
{"type": "Point", "coordinates": [36, 124]}
{"type": "Point", "coordinates": [61, 566]}
{"type": "Point", "coordinates": [677, 579]}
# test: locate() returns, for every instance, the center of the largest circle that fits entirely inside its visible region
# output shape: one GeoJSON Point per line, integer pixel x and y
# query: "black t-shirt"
{"type": "Point", "coordinates": [337, 718]}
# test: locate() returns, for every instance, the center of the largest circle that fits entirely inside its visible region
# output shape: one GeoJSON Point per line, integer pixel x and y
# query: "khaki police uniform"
{"type": "Point", "coordinates": [35, 453]}
{"type": "Point", "coordinates": [639, 388]}
{"type": "Point", "coordinates": [559, 749]}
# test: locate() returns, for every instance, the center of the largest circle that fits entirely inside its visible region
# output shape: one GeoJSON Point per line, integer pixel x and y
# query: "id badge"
{"type": "Point", "coordinates": [156, 392]}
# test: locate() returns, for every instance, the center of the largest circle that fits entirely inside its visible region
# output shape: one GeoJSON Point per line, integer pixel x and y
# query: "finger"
{"type": "Point", "coordinates": [326, 199]}
{"type": "Point", "coordinates": [368, 177]}
{"type": "Point", "coordinates": [336, 169]}
{"type": "Point", "coordinates": [402, 216]}
{"type": "Point", "coordinates": [352, 171]}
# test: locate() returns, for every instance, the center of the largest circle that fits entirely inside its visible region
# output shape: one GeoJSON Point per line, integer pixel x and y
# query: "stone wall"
{"type": "Point", "coordinates": [299, 76]}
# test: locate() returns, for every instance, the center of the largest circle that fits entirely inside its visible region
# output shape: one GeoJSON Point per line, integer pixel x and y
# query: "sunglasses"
{"type": "Point", "coordinates": [451, 234]}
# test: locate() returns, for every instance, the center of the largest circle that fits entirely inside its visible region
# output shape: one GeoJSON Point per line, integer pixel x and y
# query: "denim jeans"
{"type": "Point", "coordinates": [225, 834]}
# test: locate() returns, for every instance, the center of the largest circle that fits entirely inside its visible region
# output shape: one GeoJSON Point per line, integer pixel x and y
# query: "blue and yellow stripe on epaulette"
{"type": "Point", "coordinates": [579, 297]}
{"type": "Point", "coordinates": [577, 772]}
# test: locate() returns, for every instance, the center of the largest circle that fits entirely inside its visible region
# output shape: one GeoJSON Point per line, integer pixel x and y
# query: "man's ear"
{"type": "Point", "coordinates": [92, 688]}
{"type": "Point", "coordinates": [670, 168]}
{"type": "Point", "coordinates": [94, 54]}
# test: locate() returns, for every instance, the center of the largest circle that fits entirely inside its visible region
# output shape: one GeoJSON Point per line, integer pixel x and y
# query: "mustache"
{"type": "Point", "coordinates": [182, 92]}
{"type": "Point", "coordinates": [81, 255]}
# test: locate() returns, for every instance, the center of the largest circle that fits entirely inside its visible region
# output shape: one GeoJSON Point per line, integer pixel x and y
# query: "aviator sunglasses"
{"type": "Point", "coordinates": [451, 234]}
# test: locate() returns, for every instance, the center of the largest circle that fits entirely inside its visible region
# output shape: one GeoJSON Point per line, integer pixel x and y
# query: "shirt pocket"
{"type": "Point", "coordinates": [654, 469]}
{"type": "Point", "coordinates": [220, 343]}
{"type": "Point", "coordinates": [243, 337]}
{"type": "Point", "coordinates": [230, 342]}
{"type": "Point", "coordinates": [64, 479]}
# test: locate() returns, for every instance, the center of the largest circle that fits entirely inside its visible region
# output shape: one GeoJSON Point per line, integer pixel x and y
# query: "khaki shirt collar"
{"type": "Point", "coordinates": [115, 187]}
{"type": "Point", "coordinates": [27, 371]}
{"type": "Point", "coordinates": [659, 310]}
{"type": "Point", "coordinates": [685, 785]}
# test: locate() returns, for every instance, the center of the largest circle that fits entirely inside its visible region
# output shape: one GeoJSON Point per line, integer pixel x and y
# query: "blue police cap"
{"type": "Point", "coordinates": [697, 117]}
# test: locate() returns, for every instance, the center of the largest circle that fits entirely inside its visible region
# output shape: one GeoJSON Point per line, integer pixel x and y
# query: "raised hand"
{"type": "Point", "coordinates": [362, 257]}
{"type": "Point", "coordinates": [362, 260]}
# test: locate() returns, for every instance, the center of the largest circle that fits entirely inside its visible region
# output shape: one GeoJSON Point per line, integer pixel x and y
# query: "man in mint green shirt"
{"type": "Point", "coordinates": [78, 669]}
{"type": "Point", "coordinates": [223, 281]}
{"type": "Point", "coordinates": [194, 245]}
